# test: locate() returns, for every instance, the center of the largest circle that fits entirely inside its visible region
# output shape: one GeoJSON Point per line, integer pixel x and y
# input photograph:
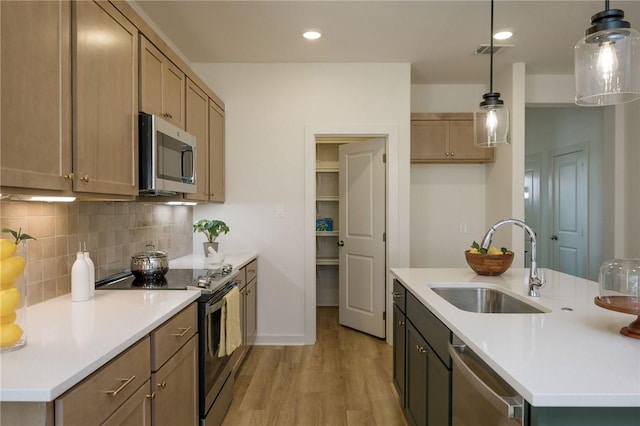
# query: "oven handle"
{"type": "Point", "coordinates": [510, 406]}
{"type": "Point", "coordinates": [215, 306]}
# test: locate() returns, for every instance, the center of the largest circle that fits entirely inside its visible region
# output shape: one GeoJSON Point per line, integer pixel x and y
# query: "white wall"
{"type": "Point", "coordinates": [445, 197]}
{"type": "Point", "coordinates": [270, 109]}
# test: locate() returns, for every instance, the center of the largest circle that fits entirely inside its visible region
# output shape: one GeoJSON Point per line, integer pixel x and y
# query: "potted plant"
{"type": "Point", "coordinates": [211, 229]}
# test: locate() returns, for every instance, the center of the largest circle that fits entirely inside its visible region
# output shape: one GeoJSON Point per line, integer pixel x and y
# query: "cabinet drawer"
{"type": "Point", "coordinates": [99, 395]}
{"type": "Point", "coordinates": [399, 296]}
{"type": "Point", "coordinates": [241, 278]}
{"type": "Point", "coordinates": [172, 335]}
{"type": "Point", "coordinates": [431, 328]}
{"type": "Point", "coordinates": [252, 270]}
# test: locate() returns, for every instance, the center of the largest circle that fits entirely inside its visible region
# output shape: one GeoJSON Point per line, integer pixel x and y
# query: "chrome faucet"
{"type": "Point", "coordinates": [535, 282]}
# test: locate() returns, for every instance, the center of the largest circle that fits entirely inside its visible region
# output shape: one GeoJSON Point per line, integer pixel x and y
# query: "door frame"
{"type": "Point", "coordinates": [397, 207]}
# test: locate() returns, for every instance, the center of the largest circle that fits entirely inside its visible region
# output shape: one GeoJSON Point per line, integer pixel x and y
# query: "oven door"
{"type": "Point", "coordinates": [214, 370]}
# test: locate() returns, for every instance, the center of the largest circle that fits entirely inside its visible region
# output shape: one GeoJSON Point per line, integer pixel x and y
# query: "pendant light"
{"type": "Point", "coordinates": [491, 119]}
{"type": "Point", "coordinates": [607, 61]}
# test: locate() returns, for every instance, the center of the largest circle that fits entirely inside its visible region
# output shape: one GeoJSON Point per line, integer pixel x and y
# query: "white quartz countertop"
{"type": "Point", "coordinates": [67, 341]}
{"type": "Point", "coordinates": [199, 261]}
{"type": "Point", "coordinates": [560, 358]}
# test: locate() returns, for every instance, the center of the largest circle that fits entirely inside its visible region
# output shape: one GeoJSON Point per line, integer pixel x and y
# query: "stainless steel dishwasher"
{"type": "Point", "coordinates": [480, 397]}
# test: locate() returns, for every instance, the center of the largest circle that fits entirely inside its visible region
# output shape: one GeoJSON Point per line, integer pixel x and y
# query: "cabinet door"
{"type": "Point", "coordinates": [105, 93]}
{"type": "Point", "coordinates": [438, 391]}
{"type": "Point", "coordinates": [461, 145]}
{"type": "Point", "coordinates": [429, 140]}
{"type": "Point", "coordinates": [216, 152]}
{"type": "Point", "coordinates": [136, 411]}
{"type": "Point", "coordinates": [176, 388]}
{"type": "Point", "coordinates": [197, 123]}
{"type": "Point", "coordinates": [35, 94]}
{"type": "Point", "coordinates": [251, 312]}
{"type": "Point", "coordinates": [399, 352]}
{"type": "Point", "coordinates": [162, 85]}
{"type": "Point", "coordinates": [417, 371]}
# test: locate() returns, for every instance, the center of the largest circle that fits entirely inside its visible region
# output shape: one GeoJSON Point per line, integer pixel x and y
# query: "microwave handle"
{"type": "Point", "coordinates": [188, 151]}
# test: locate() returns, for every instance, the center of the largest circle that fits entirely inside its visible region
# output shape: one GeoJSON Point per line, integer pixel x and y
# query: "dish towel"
{"type": "Point", "coordinates": [230, 334]}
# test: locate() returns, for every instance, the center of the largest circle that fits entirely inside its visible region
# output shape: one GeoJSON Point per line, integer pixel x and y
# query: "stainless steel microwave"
{"type": "Point", "coordinates": [167, 157]}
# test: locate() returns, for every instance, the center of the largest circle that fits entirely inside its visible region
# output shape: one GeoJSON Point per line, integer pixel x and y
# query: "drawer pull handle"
{"type": "Point", "coordinates": [401, 322]}
{"type": "Point", "coordinates": [421, 349]}
{"type": "Point", "coordinates": [151, 395]}
{"type": "Point", "coordinates": [185, 330]}
{"type": "Point", "coordinates": [253, 271]}
{"type": "Point", "coordinates": [85, 178]}
{"type": "Point", "coordinates": [163, 384]}
{"type": "Point", "coordinates": [69, 176]}
{"type": "Point", "coordinates": [122, 386]}
{"type": "Point", "coordinates": [396, 294]}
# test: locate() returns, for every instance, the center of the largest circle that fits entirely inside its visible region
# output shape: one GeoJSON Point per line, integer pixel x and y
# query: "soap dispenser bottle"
{"type": "Point", "coordinates": [80, 279]}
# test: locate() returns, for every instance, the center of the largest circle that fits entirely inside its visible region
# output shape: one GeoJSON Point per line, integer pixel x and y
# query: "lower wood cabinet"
{"type": "Point", "coordinates": [248, 287]}
{"type": "Point", "coordinates": [100, 395]}
{"type": "Point", "coordinates": [175, 388]}
{"type": "Point", "coordinates": [154, 382]}
{"type": "Point", "coordinates": [421, 376]}
{"type": "Point", "coordinates": [136, 411]}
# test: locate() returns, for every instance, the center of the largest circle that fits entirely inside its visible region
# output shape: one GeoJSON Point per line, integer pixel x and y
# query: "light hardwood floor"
{"type": "Point", "coordinates": [344, 379]}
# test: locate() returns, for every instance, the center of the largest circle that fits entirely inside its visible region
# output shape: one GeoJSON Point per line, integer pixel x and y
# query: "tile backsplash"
{"type": "Point", "coordinates": [113, 232]}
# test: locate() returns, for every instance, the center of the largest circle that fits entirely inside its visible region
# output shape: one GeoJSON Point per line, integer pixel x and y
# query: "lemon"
{"type": "Point", "coordinates": [494, 250]}
{"type": "Point", "coordinates": [10, 269]}
{"type": "Point", "coordinates": [6, 285]}
{"type": "Point", "coordinates": [474, 251]}
{"type": "Point", "coordinates": [9, 334]}
{"type": "Point", "coordinates": [8, 319]}
{"type": "Point", "coordinates": [9, 301]}
{"type": "Point", "coordinates": [7, 248]}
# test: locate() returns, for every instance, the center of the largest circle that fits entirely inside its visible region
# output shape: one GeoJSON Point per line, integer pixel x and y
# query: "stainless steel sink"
{"type": "Point", "coordinates": [484, 300]}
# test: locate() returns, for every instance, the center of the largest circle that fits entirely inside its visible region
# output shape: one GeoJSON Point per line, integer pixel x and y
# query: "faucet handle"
{"type": "Point", "coordinates": [542, 278]}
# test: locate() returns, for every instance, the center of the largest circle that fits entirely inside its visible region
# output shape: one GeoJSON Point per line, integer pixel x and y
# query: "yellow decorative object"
{"type": "Point", "coordinates": [8, 319]}
{"type": "Point", "coordinates": [9, 301]}
{"type": "Point", "coordinates": [10, 334]}
{"type": "Point", "coordinates": [7, 248]}
{"type": "Point", "coordinates": [494, 251]}
{"type": "Point", "coordinates": [11, 268]}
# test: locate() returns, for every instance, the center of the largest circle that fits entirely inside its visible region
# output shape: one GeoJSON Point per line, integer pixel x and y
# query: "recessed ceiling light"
{"type": "Point", "coordinates": [503, 35]}
{"type": "Point", "coordinates": [312, 34]}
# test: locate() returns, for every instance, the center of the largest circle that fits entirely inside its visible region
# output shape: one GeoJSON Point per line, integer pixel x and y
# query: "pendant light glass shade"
{"type": "Point", "coordinates": [607, 61]}
{"type": "Point", "coordinates": [491, 119]}
{"type": "Point", "coordinates": [491, 122]}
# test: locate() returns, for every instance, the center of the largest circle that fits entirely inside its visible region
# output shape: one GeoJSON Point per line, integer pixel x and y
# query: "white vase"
{"type": "Point", "coordinates": [79, 279]}
{"type": "Point", "coordinates": [206, 246]}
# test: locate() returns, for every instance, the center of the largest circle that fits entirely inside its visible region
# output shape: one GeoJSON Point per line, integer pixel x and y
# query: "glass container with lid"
{"type": "Point", "coordinates": [620, 291]}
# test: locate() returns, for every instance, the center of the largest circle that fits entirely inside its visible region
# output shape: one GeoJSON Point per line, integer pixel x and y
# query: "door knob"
{"type": "Point", "coordinates": [340, 243]}
{"type": "Point", "coordinates": [554, 237]}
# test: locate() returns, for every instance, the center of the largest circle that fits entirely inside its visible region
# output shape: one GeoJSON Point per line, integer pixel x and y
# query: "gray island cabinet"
{"type": "Point", "coordinates": [422, 373]}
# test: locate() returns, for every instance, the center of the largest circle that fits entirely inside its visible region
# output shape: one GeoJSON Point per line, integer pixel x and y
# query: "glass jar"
{"type": "Point", "coordinates": [620, 290]}
{"type": "Point", "coordinates": [13, 299]}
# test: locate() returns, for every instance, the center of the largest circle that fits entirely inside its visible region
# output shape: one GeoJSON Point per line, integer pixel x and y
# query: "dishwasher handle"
{"type": "Point", "coordinates": [510, 405]}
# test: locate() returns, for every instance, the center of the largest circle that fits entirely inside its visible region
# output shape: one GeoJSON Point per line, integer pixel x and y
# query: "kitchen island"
{"type": "Point", "coordinates": [570, 356]}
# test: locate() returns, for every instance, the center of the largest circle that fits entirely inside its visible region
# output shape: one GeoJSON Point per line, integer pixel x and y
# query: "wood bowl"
{"type": "Point", "coordinates": [489, 264]}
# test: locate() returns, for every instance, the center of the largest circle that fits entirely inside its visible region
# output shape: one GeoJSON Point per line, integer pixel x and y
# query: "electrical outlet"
{"type": "Point", "coordinates": [279, 211]}
{"type": "Point", "coordinates": [463, 228]}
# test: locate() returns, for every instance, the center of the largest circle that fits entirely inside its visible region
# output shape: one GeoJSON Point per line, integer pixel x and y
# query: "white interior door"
{"type": "Point", "coordinates": [569, 237]}
{"type": "Point", "coordinates": [362, 277]}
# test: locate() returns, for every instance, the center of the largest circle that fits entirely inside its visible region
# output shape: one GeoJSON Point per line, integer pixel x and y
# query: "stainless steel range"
{"type": "Point", "coordinates": [215, 381]}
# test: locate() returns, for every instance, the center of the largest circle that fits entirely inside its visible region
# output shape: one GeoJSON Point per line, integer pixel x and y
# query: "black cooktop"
{"type": "Point", "coordinates": [175, 279]}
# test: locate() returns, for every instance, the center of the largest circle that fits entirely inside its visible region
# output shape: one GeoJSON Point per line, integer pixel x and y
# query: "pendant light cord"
{"type": "Point", "coordinates": [491, 56]}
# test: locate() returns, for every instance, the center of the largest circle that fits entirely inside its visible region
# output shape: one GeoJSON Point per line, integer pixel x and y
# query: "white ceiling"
{"type": "Point", "coordinates": [437, 37]}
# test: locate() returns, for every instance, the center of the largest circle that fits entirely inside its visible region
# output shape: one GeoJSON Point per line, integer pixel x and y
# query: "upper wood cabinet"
{"type": "Point", "coordinates": [197, 123]}
{"type": "Point", "coordinates": [105, 97]}
{"type": "Point", "coordinates": [216, 153]}
{"type": "Point", "coordinates": [162, 85]}
{"type": "Point", "coordinates": [35, 95]}
{"type": "Point", "coordinates": [445, 138]}
{"type": "Point", "coordinates": [205, 120]}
